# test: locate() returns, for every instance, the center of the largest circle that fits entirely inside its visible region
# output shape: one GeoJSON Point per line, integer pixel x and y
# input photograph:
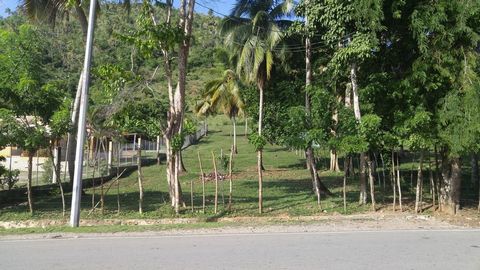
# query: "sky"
{"type": "Point", "coordinates": [219, 6]}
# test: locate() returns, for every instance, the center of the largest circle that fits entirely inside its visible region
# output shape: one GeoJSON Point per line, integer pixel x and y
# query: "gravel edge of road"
{"type": "Point", "coordinates": [248, 225]}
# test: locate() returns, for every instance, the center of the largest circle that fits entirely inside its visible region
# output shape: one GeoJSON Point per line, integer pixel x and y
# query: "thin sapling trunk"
{"type": "Point", "coordinates": [371, 179]}
{"type": "Point", "coordinates": [393, 181]}
{"type": "Point", "coordinates": [202, 175]}
{"type": "Point", "coordinates": [399, 185]}
{"type": "Point", "coordinates": [29, 183]}
{"type": "Point", "coordinates": [230, 180]}
{"type": "Point", "coordinates": [345, 164]}
{"type": "Point", "coordinates": [418, 193]}
{"type": "Point", "coordinates": [216, 182]}
{"type": "Point", "coordinates": [140, 175]}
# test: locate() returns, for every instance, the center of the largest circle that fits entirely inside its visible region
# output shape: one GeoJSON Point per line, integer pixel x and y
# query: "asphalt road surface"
{"type": "Point", "coordinates": [321, 250]}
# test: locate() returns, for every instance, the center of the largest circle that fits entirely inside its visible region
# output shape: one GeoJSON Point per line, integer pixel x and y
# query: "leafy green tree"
{"type": "Point", "coordinates": [160, 38]}
{"type": "Point", "coordinates": [349, 28]}
{"type": "Point", "coordinates": [450, 30]}
{"type": "Point", "coordinates": [33, 100]}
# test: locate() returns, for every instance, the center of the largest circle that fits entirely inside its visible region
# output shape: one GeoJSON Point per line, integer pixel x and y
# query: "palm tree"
{"type": "Point", "coordinates": [223, 94]}
{"type": "Point", "coordinates": [253, 33]}
{"type": "Point", "coordinates": [47, 10]}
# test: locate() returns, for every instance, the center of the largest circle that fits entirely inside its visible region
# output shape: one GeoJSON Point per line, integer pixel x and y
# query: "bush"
{"type": "Point", "coordinates": [224, 162]}
{"type": "Point", "coordinates": [9, 178]}
{"type": "Point", "coordinates": [47, 171]}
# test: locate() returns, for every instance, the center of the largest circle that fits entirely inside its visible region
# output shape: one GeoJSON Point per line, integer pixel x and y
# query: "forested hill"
{"type": "Point", "coordinates": [66, 48]}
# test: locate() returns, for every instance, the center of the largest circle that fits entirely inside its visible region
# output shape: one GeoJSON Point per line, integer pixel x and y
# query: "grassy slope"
{"type": "Point", "coordinates": [287, 187]}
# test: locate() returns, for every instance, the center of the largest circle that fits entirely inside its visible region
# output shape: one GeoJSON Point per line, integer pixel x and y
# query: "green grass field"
{"type": "Point", "coordinates": [287, 187]}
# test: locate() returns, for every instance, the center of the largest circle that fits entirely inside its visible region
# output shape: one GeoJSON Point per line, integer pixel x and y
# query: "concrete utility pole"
{"type": "Point", "coordinates": [77, 180]}
{"type": "Point", "coordinates": [110, 157]}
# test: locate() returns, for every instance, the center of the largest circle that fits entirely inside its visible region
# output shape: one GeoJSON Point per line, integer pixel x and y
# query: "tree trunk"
{"type": "Point", "coordinates": [475, 178]}
{"type": "Point", "coordinates": [411, 170]}
{"type": "Point", "coordinates": [358, 117]}
{"type": "Point", "coordinates": [102, 191]}
{"type": "Point", "coordinates": [450, 191]}
{"type": "Point", "coordinates": [363, 180]}
{"type": "Point", "coordinates": [394, 181]}
{"type": "Point", "coordinates": [216, 182]}
{"type": "Point", "coordinates": [308, 82]}
{"type": "Point", "coordinates": [191, 196]}
{"type": "Point", "coordinates": [234, 121]}
{"type": "Point", "coordinates": [456, 184]}
{"type": "Point", "coordinates": [348, 95]}
{"type": "Point", "coordinates": [383, 172]}
{"type": "Point", "coordinates": [202, 175]}
{"type": "Point", "coordinates": [375, 169]}
{"type": "Point", "coordinates": [140, 176]}
{"type": "Point", "coordinates": [95, 168]}
{"type": "Point", "coordinates": [170, 169]}
{"type": "Point", "coordinates": [433, 185]}
{"type": "Point", "coordinates": [317, 185]}
{"type": "Point", "coordinates": [57, 168]}
{"type": "Point", "coordinates": [371, 179]}
{"type": "Point", "coordinates": [230, 181]}
{"type": "Point", "coordinates": [176, 185]}
{"type": "Point", "coordinates": [158, 150]}
{"type": "Point", "coordinates": [314, 174]}
{"type": "Point", "coordinates": [118, 176]}
{"type": "Point", "coordinates": [205, 127]}
{"type": "Point", "coordinates": [246, 126]}
{"type": "Point", "coordinates": [437, 179]}
{"type": "Point", "coordinates": [399, 186]}
{"type": "Point", "coordinates": [356, 100]}
{"type": "Point", "coordinates": [260, 151]}
{"type": "Point", "coordinates": [419, 189]}
{"type": "Point", "coordinates": [345, 164]}
{"type": "Point", "coordinates": [176, 97]}
{"type": "Point", "coordinates": [29, 183]}
{"type": "Point", "coordinates": [181, 168]}
{"type": "Point", "coordinates": [334, 167]}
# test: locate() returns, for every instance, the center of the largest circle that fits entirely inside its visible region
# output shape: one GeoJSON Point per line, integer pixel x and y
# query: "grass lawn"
{"type": "Point", "coordinates": [287, 187]}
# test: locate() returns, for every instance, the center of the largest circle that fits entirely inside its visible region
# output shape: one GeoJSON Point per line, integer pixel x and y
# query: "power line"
{"type": "Point", "coordinates": [292, 48]}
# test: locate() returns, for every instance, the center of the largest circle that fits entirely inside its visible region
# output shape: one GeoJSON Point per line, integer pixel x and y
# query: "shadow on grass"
{"type": "Point", "coordinates": [295, 166]}
{"type": "Point", "coordinates": [279, 149]}
{"type": "Point", "coordinates": [294, 196]}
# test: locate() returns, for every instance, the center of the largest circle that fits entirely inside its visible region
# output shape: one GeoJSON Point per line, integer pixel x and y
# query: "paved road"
{"type": "Point", "coordinates": [326, 250]}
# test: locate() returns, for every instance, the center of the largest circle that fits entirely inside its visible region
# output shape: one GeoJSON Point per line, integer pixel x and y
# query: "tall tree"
{"type": "Point", "coordinates": [152, 38]}
{"type": "Point", "coordinates": [447, 37]}
{"type": "Point", "coordinates": [254, 34]}
{"type": "Point", "coordinates": [351, 29]}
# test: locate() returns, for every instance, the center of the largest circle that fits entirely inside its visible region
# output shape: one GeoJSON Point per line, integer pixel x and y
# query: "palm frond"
{"type": "Point", "coordinates": [286, 8]}
{"type": "Point", "coordinates": [43, 10]}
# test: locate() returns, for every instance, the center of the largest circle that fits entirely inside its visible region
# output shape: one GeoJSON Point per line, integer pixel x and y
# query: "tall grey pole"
{"type": "Point", "coordinates": [77, 179]}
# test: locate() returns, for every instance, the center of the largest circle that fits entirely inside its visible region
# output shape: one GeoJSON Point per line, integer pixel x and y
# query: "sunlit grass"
{"type": "Point", "coordinates": [287, 187]}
